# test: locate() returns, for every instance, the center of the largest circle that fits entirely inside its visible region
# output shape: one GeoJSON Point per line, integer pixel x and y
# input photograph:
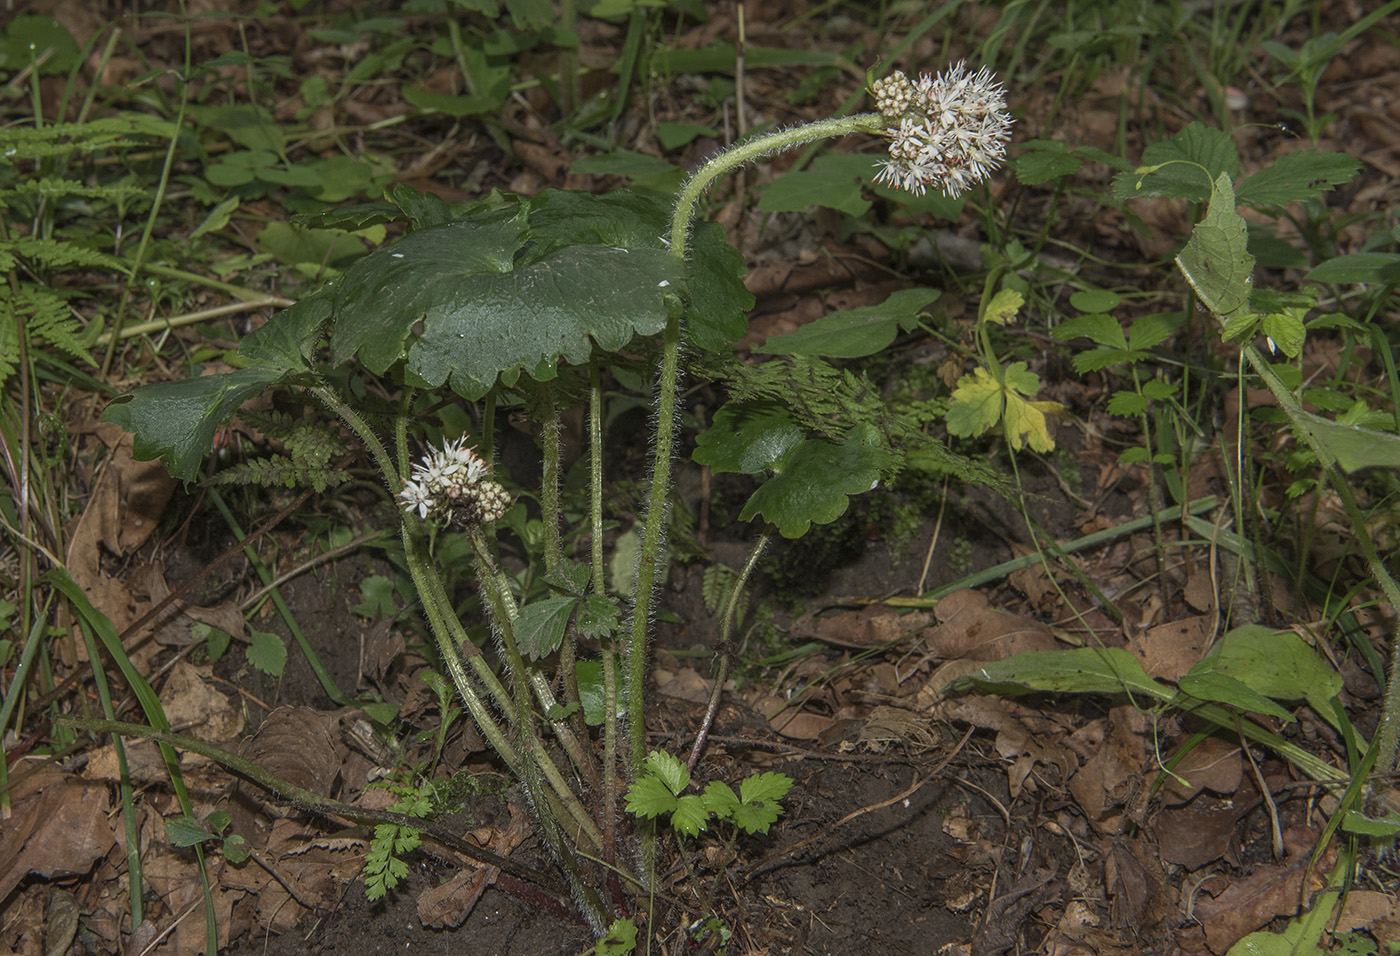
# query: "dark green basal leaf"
{"type": "Point", "coordinates": [507, 289]}
{"type": "Point", "coordinates": [1044, 160]}
{"type": "Point", "coordinates": [834, 181]}
{"type": "Point", "coordinates": [717, 301]}
{"type": "Point", "coordinates": [815, 479]}
{"type": "Point", "coordinates": [857, 332]}
{"type": "Point", "coordinates": [288, 340]}
{"type": "Point", "coordinates": [1206, 684]}
{"type": "Point", "coordinates": [747, 439]}
{"type": "Point", "coordinates": [177, 420]}
{"type": "Point", "coordinates": [1276, 664]}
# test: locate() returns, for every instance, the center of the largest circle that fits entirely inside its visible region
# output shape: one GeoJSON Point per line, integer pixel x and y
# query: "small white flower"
{"type": "Point", "coordinates": [416, 498]}
{"type": "Point", "coordinates": [952, 130]}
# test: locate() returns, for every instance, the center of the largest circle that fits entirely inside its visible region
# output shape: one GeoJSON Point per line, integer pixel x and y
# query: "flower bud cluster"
{"type": "Point", "coordinates": [453, 485]}
{"type": "Point", "coordinates": [951, 133]}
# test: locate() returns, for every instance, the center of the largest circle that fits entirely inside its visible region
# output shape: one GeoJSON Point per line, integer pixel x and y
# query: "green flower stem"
{"type": "Point", "coordinates": [554, 556]}
{"type": "Point", "coordinates": [655, 520]}
{"type": "Point", "coordinates": [504, 613]}
{"type": "Point", "coordinates": [537, 759]}
{"type": "Point", "coordinates": [753, 149]}
{"type": "Point", "coordinates": [595, 517]}
{"type": "Point", "coordinates": [451, 637]}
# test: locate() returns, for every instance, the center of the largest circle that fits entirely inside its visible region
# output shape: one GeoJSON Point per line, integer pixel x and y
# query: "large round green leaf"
{"type": "Point", "coordinates": [510, 286]}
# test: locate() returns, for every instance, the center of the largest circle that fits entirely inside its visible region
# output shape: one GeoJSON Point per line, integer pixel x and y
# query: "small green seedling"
{"type": "Point", "coordinates": [658, 790]}
{"type": "Point", "coordinates": [185, 830]}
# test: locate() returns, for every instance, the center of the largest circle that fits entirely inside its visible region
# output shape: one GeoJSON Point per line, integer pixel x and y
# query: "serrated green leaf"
{"type": "Point", "coordinates": [516, 285]}
{"type": "Point", "coordinates": [857, 332]}
{"type": "Point", "coordinates": [1297, 176]}
{"type": "Point", "coordinates": [764, 787]}
{"type": "Point", "coordinates": [1158, 390]}
{"type": "Point", "coordinates": [690, 815]}
{"type": "Point", "coordinates": [977, 404]}
{"type": "Point", "coordinates": [599, 616]}
{"type": "Point", "coordinates": [1044, 160]}
{"type": "Point", "coordinates": [1095, 359]}
{"type": "Point", "coordinates": [1019, 377]}
{"type": "Point", "coordinates": [721, 799]}
{"type": "Point", "coordinates": [1152, 330]}
{"type": "Point", "coordinates": [1004, 306]}
{"type": "Point", "coordinates": [815, 480]}
{"type": "Point", "coordinates": [186, 831]}
{"type": "Point", "coordinates": [669, 770]}
{"type": "Point", "coordinates": [649, 797]}
{"type": "Point", "coordinates": [266, 652]}
{"type": "Point", "coordinates": [756, 817]}
{"type": "Point", "coordinates": [835, 181]}
{"type": "Point", "coordinates": [1286, 331]}
{"type": "Point", "coordinates": [1127, 404]}
{"type": "Point", "coordinates": [539, 628]}
{"type": "Point", "coordinates": [1179, 176]}
{"type": "Point", "coordinates": [1216, 260]}
{"type": "Point", "coordinates": [1099, 328]}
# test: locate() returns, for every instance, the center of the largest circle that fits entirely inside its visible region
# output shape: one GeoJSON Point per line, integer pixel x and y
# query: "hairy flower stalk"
{"type": "Point", "coordinates": [951, 129]}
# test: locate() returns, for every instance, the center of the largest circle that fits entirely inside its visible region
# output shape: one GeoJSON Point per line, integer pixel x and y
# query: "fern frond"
{"type": "Point", "coordinates": [283, 473]}
{"type": "Point", "coordinates": [46, 318]}
{"type": "Point", "coordinates": [51, 320]}
{"type": "Point", "coordinates": [22, 143]}
{"type": "Point", "coordinates": [53, 187]}
{"type": "Point", "coordinates": [57, 255]}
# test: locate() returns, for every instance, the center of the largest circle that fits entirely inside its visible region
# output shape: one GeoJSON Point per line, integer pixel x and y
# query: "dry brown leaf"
{"type": "Point", "coordinates": [968, 628]}
{"type": "Point", "coordinates": [1169, 650]}
{"type": "Point", "coordinates": [1014, 740]}
{"type": "Point", "coordinates": [451, 903]}
{"type": "Point", "coordinates": [122, 512]}
{"type": "Point", "coordinates": [1213, 764]}
{"type": "Point", "coordinates": [191, 701]}
{"type": "Point", "coordinates": [58, 828]}
{"type": "Point", "coordinates": [871, 626]}
{"type": "Point", "coordinates": [1270, 891]}
{"type": "Point", "coordinates": [1112, 776]}
{"type": "Point", "coordinates": [897, 725]}
{"type": "Point", "coordinates": [1198, 832]}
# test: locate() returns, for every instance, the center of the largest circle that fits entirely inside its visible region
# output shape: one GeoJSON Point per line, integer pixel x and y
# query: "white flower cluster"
{"type": "Point", "coordinates": [952, 129]}
{"type": "Point", "coordinates": [452, 484]}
